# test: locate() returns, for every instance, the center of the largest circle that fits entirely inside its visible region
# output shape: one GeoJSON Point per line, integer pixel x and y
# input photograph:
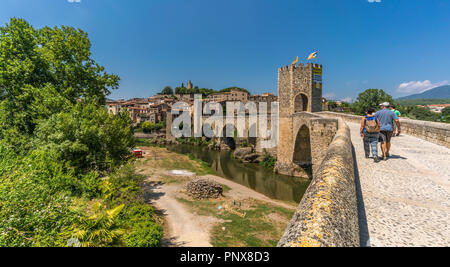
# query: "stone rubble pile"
{"type": "Point", "coordinates": [204, 189]}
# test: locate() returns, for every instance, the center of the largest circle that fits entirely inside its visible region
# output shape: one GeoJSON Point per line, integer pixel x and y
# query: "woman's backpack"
{"type": "Point", "coordinates": [371, 124]}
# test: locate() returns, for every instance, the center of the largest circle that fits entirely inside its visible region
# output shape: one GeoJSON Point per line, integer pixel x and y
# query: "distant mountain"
{"type": "Point", "coordinates": [440, 92]}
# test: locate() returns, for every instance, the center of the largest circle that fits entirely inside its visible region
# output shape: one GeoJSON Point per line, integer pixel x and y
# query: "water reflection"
{"type": "Point", "coordinates": [256, 177]}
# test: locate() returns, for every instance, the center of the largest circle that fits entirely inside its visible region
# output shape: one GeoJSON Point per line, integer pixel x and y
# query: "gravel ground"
{"type": "Point", "coordinates": [404, 201]}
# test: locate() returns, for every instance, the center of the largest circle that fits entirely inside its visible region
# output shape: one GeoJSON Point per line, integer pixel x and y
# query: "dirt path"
{"type": "Point", "coordinates": [183, 229]}
{"type": "Point", "coordinates": [240, 192]}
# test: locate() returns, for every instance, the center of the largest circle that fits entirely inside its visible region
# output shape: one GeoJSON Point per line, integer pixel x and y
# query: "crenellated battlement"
{"type": "Point", "coordinates": [300, 66]}
{"type": "Point", "coordinates": [300, 88]}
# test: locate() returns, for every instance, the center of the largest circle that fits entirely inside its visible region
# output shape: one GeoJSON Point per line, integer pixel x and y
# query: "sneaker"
{"type": "Point", "coordinates": [376, 160]}
{"type": "Point", "coordinates": [385, 158]}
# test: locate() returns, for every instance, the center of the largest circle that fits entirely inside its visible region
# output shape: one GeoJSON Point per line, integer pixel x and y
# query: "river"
{"type": "Point", "coordinates": [254, 176]}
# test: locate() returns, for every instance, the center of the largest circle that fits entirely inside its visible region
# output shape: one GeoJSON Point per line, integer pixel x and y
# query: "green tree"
{"type": "Point", "coordinates": [167, 91]}
{"type": "Point", "coordinates": [332, 104]}
{"type": "Point", "coordinates": [147, 126]}
{"type": "Point", "coordinates": [423, 114]}
{"type": "Point", "coordinates": [57, 139]}
{"type": "Point", "coordinates": [446, 112]}
{"type": "Point", "coordinates": [44, 70]}
{"type": "Point", "coordinates": [370, 98]}
{"type": "Point", "coordinates": [88, 137]}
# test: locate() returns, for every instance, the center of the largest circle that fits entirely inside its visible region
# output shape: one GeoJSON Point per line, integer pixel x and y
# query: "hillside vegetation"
{"type": "Point", "coordinates": [415, 102]}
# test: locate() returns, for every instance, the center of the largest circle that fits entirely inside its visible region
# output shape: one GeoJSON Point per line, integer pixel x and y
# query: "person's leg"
{"type": "Point", "coordinates": [374, 145]}
{"type": "Point", "coordinates": [366, 145]}
{"type": "Point", "coordinates": [383, 144]}
{"type": "Point", "coordinates": [383, 149]}
{"type": "Point", "coordinates": [388, 143]}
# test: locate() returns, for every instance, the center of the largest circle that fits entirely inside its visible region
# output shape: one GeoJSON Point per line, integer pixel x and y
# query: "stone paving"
{"type": "Point", "coordinates": [404, 201]}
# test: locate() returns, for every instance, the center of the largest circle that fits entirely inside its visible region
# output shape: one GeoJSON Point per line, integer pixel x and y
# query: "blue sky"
{"type": "Point", "coordinates": [401, 46]}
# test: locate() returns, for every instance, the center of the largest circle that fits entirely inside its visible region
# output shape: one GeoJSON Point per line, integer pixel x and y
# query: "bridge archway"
{"type": "Point", "coordinates": [300, 103]}
{"type": "Point", "coordinates": [302, 148]}
{"type": "Point", "coordinates": [230, 141]}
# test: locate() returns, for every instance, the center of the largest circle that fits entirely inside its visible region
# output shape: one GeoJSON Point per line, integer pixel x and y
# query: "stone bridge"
{"type": "Point", "coordinates": [351, 201]}
{"type": "Point", "coordinates": [304, 138]}
{"type": "Point", "coordinates": [303, 135]}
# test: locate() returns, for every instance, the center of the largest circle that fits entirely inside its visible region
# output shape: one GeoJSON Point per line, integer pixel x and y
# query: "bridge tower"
{"type": "Point", "coordinates": [300, 89]}
{"type": "Point", "coordinates": [303, 136]}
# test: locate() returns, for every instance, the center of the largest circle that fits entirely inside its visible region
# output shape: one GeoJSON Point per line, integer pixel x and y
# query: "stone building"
{"type": "Point", "coordinates": [300, 88]}
{"type": "Point", "coordinates": [234, 95]}
{"type": "Point", "coordinates": [266, 97]}
{"type": "Point", "coordinates": [303, 136]}
{"type": "Point", "coordinates": [190, 85]}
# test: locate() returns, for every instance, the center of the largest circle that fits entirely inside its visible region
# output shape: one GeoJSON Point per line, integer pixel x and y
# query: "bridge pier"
{"type": "Point", "coordinates": [303, 143]}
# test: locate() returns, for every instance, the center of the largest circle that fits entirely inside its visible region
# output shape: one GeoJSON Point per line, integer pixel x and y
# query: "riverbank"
{"type": "Point", "coordinates": [191, 222]}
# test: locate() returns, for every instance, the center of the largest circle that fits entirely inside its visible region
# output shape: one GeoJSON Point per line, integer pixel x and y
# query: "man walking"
{"type": "Point", "coordinates": [397, 112]}
{"type": "Point", "coordinates": [387, 118]}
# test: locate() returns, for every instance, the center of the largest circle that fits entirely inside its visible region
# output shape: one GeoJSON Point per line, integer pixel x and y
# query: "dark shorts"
{"type": "Point", "coordinates": [385, 136]}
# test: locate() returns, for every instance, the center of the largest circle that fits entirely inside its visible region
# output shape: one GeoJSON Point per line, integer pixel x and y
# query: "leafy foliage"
{"type": "Point", "coordinates": [167, 91]}
{"type": "Point", "coordinates": [419, 113]}
{"type": "Point", "coordinates": [414, 102]}
{"type": "Point", "coordinates": [146, 232]}
{"type": "Point", "coordinates": [57, 140]}
{"type": "Point", "coordinates": [268, 160]}
{"type": "Point", "coordinates": [87, 137]}
{"type": "Point", "coordinates": [34, 200]}
{"type": "Point", "coordinates": [446, 112]}
{"type": "Point", "coordinates": [148, 127]}
{"type": "Point", "coordinates": [99, 229]}
{"type": "Point", "coordinates": [42, 70]}
{"type": "Point", "coordinates": [370, 98]}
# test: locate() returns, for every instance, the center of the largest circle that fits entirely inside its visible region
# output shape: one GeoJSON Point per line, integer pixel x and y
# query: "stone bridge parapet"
{"type": "Point", "coordinates": [434, 132]}
{"type": "Point", "coordinates": [327, 215]}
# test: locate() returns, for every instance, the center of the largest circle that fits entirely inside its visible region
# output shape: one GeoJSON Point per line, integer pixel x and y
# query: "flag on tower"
{"type": "Point", "coordinates": [295, 61]}
{"type": "Point", "coordinates": [312, 56]}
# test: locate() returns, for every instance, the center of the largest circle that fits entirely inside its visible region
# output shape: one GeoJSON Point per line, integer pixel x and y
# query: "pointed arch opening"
{"type": "Point", "coordinates": [300, 103]}
{"type": "Point", "coordinates": [302, 149]}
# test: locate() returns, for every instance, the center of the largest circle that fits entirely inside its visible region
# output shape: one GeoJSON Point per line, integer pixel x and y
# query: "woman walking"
{"type": "Point", "coordinates": [370, 131]}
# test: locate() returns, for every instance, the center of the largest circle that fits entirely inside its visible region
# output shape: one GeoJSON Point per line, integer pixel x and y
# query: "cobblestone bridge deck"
{"type": "Point", "coordinates": [404, 201]}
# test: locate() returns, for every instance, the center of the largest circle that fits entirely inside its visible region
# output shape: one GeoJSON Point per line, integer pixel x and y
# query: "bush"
{"type": "Point", "coordinates": [88, 138]}
{"type": "Point", "coordinates": [126, 185]}
{"type": "Point", "coordinates": [34, 200]}
{"type": "Point", "coordinates": [147, 127]}
{"type": "Point", "coordinates": [269, 161]}
{"type": "Point", "coordinates": [145, 231]}
{"type": "Point", "coordinates": [99, 229]}
{"type": "Point", "coordinates": [419, 113]}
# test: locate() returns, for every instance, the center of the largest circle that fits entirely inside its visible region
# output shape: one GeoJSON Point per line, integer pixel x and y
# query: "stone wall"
{"type": "Point", "coordinates": [327, 215]}
{"type": "Point", "coordinates": [435, 132]}
{"type": "Point", "coordinates": [321, 131]}
{"type": "Point", "coordinates": [294, 80]}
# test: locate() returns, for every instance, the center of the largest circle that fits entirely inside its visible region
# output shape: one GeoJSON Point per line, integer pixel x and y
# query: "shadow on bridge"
{"type": "Point", "coordinates": [364, 236]}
